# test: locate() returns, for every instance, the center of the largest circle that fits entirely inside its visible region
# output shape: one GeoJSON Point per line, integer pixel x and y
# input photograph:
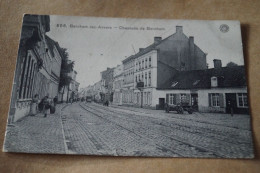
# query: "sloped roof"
{"type": "Point", "coordinates": [201, 79]}
{"type": "Point", "coordinates": [50, 42]}
{"type": "Point", "coordinates": [153, 46]}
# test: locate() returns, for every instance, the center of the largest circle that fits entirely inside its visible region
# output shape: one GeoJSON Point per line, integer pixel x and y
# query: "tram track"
{"type": "Point", "coordinates": [180, 144]}
{"type": "Point", "coordinates": [201, 135]}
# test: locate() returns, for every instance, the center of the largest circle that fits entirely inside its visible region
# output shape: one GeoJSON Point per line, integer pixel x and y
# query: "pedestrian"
{"type": "Point", "coordinates": [46, 106]}
{"type": "Point", "coordinates": [55, 100]}
{"type": "Point", "coordinates": [34, 105]}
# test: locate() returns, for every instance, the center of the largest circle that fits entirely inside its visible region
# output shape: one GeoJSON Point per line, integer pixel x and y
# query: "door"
{"type": "Point", "coordinates": [161, 103]}
{"type": "Point", "coordinates": [194, 101]}
{"type": "Point", "coordinates": [231, 102]}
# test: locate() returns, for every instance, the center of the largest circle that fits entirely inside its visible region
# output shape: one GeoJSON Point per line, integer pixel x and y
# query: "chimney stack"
{"type": "Point", "coordinates": [157, 39]}
{"type": "Point", "coordinates": [141, 49]}
{"type": "Point", "coordinates": [217, 63]}
{"type": "Point", "coordinates": [179, 30]}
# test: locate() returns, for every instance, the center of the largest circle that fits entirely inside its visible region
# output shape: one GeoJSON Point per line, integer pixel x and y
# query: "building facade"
{"type": "Point", "coordinates": [160, 61]}
{"type": "Point", "coordinates": [220, 89]}
{"type": "Point", "coordinates": [107, 84]}
{"type": "Point", "coordinates": [128, 82]}
{"type": "Point", "coordinates": [72, 90]}
{"type": "Point", "coordinates": [32, 75]}
{"type": "Point", "coordinates": [117, 85]}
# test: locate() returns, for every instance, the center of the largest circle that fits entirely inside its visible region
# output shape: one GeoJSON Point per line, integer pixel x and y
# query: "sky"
{"type": "Point", "coordinates": [104, 42]}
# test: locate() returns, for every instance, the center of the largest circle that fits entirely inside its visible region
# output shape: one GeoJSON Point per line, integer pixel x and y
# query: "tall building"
{"type": "Point", "coordinates": [54, 49]}
{"type": "Point", "coordinates": [33, 69]}
{"type": "Point", "coordinates": [160, 61]}
{"type": "Point", "coordinates": [128, 85]}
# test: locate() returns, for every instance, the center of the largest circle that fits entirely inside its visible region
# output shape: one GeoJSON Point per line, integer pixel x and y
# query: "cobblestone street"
{"type": "Point", "coordinates": [90, 128]}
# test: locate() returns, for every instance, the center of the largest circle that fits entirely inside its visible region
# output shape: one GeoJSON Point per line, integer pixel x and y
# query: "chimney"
{"type": "Point", "coordinates": [157, 39]}
{"type": "Point", "coordinates": [179, 30]}
{"type": "Point", "coordinates": [141, 49]}
{"type": "Point", "coordinates": [191, 39]}
{"type": "Point", "coordinates": [217, 63]}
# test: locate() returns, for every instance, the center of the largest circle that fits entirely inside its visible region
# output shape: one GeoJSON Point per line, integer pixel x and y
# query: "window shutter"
{"type": "Point", "coordinates": [167, 98]}
{"type": "Point", "coordinates": [210, 100]}
{"type": "Point", "coordinates": [221, 100]}
{"type": "Point", "coordinates": [177, 98]}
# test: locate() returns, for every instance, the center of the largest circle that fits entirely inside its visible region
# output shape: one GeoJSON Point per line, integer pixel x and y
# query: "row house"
{"type": "Point", "coordinates": [37, 67]}
{"type": "Point", "coordinates": [72, 90]}
{"type": "Point", "coordinates": [118, 79]}
{"type": "Point", "coordinates": [128, 83]}
{"type": "Point", "coordinates": [107, 84]}
{"type": "Point", "coordinates": [220, 89]}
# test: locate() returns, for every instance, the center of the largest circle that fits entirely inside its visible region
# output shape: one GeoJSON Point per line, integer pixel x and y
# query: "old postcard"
{"type": "Point", "coordinates": [130, 87]}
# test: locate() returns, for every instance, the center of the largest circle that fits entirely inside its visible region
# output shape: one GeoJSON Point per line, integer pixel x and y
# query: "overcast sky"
{"type": "Point", "coordinates": [93, 50]}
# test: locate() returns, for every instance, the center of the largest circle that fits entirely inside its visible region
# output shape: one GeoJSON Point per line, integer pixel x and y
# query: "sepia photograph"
{"type": "Point", "coordinates": [130, 87]}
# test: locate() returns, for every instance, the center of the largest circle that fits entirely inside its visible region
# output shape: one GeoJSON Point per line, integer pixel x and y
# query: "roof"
{"type": "Point", "coordinates": [201, 79]}
{"type": "Point", "coordinates": [153, 46]}
{"type": "Point", "coordinates": [50, 43]}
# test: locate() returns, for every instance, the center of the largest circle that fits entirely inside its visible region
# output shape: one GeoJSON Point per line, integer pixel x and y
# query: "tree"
{"type": "Point", "coordinates": [66, 67]}
{"type": "Point", "coordinates": [231, 64]}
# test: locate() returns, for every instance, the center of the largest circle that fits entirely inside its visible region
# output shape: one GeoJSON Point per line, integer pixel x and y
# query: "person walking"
{"type": "Point", "coordinates": [55, 100]}
{"type": "Point", "coordinates": [46, 106]}
{"type": "Point", "coordinates": [34, 105]}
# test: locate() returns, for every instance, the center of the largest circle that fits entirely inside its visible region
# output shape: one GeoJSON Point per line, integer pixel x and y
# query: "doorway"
{"type": "Point", "coordinates": [161, 103]}
{"type": "Point", "coordinates": [194, 101]}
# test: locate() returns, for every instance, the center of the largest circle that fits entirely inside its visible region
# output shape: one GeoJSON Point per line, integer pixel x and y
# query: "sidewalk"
{"type": "Point", "coordinates": [34, 134]}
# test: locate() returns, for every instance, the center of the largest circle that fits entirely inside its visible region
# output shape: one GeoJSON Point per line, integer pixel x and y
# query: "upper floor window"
{"type": "Point", "coordinates": [150, 61]}
{"type": "Point", "coordinates": [145, 62]}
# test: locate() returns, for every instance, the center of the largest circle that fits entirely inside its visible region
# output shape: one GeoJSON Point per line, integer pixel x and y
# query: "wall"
{"type": "Point", "coordinates": [203, 98]}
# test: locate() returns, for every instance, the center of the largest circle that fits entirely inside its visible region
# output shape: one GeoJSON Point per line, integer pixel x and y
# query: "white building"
{"type": "Point", "coordinates": [118, 84]}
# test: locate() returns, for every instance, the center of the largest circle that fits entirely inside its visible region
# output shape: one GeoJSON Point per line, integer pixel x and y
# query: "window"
{"type": "Point", "coordinates": [215, 99]}
{"type": "Point", "coordinates": [149, 79]}
{"type": "Point", "coordinates": [150, 61]}
{"type": "Point", "coordinates": [242, 100]}
{"type": "Point", "coordinates": [148, 98]}
{"type": "Point", "coordinates": [183, 98]}
{"type": "Point", "coordinates": [145, 80]}
{"type": "Point", "coordinates": [174, 84]}
{"type": "Point", "coordinates": [145, 62]}
{"type": "Point", "coordinates": [171, 99]}
{"type": "Point", "coordinates": [142, 64]}
{"type": "Point", "coordinates": [136, 66]}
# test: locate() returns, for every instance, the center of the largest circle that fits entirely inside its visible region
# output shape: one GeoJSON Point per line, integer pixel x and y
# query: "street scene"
{"type": "Point", "coordinates": [93, 129]}
{"type": "Point", "coordinates": [168, 94]}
